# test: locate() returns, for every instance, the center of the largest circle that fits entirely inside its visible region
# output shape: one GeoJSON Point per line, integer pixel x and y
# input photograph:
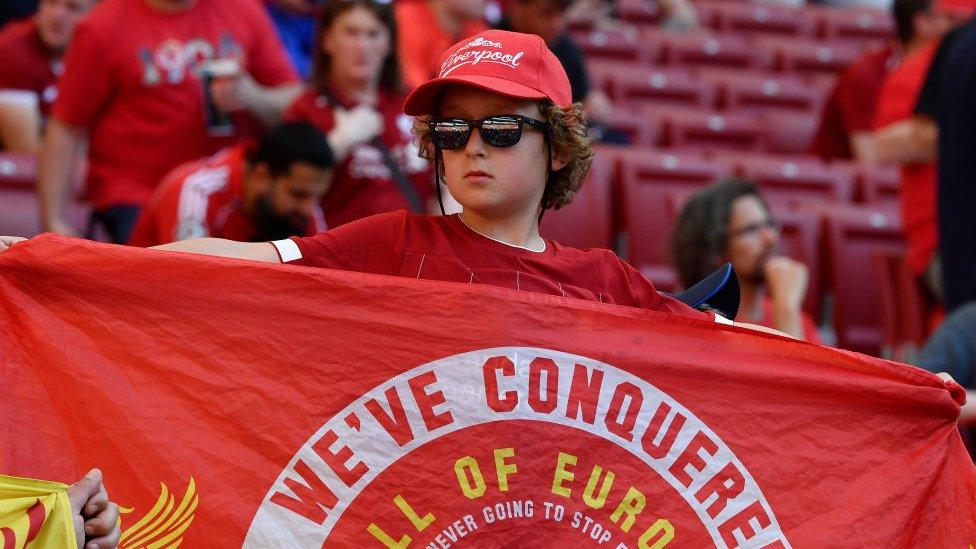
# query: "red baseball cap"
{"type": "Point", "coordinates": [510, 63]}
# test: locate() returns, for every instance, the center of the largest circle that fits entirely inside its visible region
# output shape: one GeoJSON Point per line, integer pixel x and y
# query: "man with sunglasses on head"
{"type": "Point", "coordinates": [730, 222]}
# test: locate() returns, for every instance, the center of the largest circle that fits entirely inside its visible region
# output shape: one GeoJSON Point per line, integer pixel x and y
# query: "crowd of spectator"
{"type": "Point", "coordinates": [255, 121]}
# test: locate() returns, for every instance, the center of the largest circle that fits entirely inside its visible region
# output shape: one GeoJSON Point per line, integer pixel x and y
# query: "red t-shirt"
{"type": "Point", "coordinates": [132, 79]}
{"type": "Point", "coordinates": [919, 182]}
{"type": "Point", "coordinates": [421, 40]}
{"type": "Point", "coordinates": [26, 64]}
{"type": "Point", "coordinates": [444, 248]}
{"type": "Point", "coordinates": [363, 185]}
{"type": "Point", "coordinates": [202, 198]}
{"type": "Point", "coordinates": [810, 333]}
{"type": "Point", "coordinates": [850, 107]}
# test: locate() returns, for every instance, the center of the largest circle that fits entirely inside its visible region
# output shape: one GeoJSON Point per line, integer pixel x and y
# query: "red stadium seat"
{"type": "Point", "coordinates": [707, 131]}
{"type": "Point", "coordinates": [661, 86]}
{"type": "Point", "coordinates": [747, 92]}
{"type": "Point", "coordinates": [865, 24]}
{"type": "Point", "coordinates": [789, 132]}
{"type": "Point", "coordinates": [902, 309]}
{"type": "Point", "coordinates": [639, 130]}
{"type": "Point", "coordinates": [854, 236]}
{"type": "Point", "coordinates": [19, 213]}
{"type": "Point", "coordinates": [639, 11]}
{"type": "Point", "coordinates": [624, 44]}
{"type": "Point", "coordinates": [587, 221]}
{"type": "Point", "coordinates": [881, 185]}
{"type": "Point", "coordinates": [761, 19]}
{"type": "Point", "coordinates": [789, 182]}
{"type": "Point", "coordinates": [647, 179]}
{"type": "Point", "coordinates": [805, 57]}
{"type": "Point", "coordinates": [704, 49]}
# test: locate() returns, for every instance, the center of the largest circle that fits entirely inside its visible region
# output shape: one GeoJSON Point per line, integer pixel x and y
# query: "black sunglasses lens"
{"type": "Point", "coordinates": [451, 134]}
{"type": "Point", "coordinates": [501, 131]}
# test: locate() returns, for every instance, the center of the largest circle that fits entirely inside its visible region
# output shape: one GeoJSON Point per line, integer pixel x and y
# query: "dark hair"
{"type": "Point", "coordinates": [702, 233]}
{"type": "Point", "coordinates": [390, 76]}
{"type": "Point", "coordinates": [289, 143]}
{"type": "Point", "coordinates": [905, 12]}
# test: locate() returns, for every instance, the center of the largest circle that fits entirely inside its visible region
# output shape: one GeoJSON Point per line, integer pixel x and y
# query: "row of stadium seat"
{"type": "Point", "coordinates": [654, 46]}
{"type": "Point", "coordinates": [747, 18]}
{"type": "Point", "coordinates": [633, 197]}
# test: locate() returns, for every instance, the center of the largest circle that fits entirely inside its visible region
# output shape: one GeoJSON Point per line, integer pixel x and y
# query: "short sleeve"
{"type": "Point", "coordinates": [88, 81]}
{"type": "Point", "coordinates": [267, 61]}
{"type": "Point", "coordinates": [368, 245]}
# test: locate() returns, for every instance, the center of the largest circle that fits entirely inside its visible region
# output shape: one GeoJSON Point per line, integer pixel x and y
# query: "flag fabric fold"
{"type": "Point", "coordinates": [229, 402]}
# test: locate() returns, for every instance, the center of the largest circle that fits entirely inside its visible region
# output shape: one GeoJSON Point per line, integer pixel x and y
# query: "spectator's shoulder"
{"type": "Point", "coordinates": [109, 16]}
{"type": "Point", "coordinates": [16, 33]}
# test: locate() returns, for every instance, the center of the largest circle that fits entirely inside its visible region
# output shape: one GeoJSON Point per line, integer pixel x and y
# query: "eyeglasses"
{"type": "Point", "coordinates": [755, 227]}
{"type": "Point", "coordinates": [504, 130]}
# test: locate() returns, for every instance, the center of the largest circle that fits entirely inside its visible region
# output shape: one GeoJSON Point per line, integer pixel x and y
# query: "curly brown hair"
{"type": "Point", "coordinates": [568, 138]}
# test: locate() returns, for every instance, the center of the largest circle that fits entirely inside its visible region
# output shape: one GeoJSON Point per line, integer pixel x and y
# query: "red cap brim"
{"type": "Point", "coordinates": [421, 100]}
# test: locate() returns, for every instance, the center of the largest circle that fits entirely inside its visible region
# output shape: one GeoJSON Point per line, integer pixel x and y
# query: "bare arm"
{"type": "Point", "coordinates": [863, 147]}
{"type": "Point", "coordinates": [909, 141]}
{"type": "Point", "coordinates": [20, 122]}
{"type": "Point", "coordinates": [62, 144]}
{"type": "Point", "coordinates": [267, 103]}
{"type": "Point", "coordinates": [219, 247]}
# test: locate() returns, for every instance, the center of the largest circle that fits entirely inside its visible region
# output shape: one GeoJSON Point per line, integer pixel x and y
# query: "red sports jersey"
{"type": "Point", "coordinates": [851, 105]}
{"type": "Point", "coordinates": [132, 79]}
{"type": "Point", "coordinates": [203, 198]}
{"type": "Point", "coordinates": [363, 184]}
{"type": "Point", "coordinates": [444, 248]}
{"type": "Point", "coordinates": [27, 65]}
{"type": "Point", "coordinates": [899, 93]}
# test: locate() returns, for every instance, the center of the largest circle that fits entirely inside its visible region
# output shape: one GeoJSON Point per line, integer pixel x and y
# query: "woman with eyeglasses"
{"type": "Point", "coordinates": [355, 96]}
{"type": "Point", "coordinates": [730, 222]}
{"type": "Point", "coordinates": [505, 137]}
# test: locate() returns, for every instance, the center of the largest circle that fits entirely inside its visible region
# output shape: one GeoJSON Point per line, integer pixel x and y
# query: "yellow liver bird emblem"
{"type": "Point", "coordinates": [163, 526]}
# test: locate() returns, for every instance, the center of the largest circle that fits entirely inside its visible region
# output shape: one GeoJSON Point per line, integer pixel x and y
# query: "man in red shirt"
{"type": "Point", "coordinates": [251, 194]}
{"type": "Point", "coordinates": [30, 63]}
{"type": "Point", "coordinates": [141, 99]}
{"type": "Point", "coordinates": [895, 112]}
{"type": "Point", "coordinates": [730, 222]}
{"type": "Point", "coordinates": [427, 27]}
{"type": "Point", "coordinates": [847, 122]}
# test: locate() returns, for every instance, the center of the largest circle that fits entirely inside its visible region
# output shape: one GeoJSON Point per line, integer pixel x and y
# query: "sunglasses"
{"type": "Point", "coordinates": [754, 228]}
{"type": "Point", "coordinates": [504, 130]}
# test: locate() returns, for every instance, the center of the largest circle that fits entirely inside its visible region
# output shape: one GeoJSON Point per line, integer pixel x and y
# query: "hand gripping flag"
{"type": "Point", "coordinates": [234, 403]}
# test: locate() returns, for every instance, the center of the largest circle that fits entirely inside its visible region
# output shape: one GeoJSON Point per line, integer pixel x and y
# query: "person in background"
{"type": "Point", "coordinates": [30, 63]}
{"type": "Point", "coordinates": [150, 100]}
{"type": "Point", "coordinates": [427, 27]}
{"type": "Point", "coordinates": [947, 98]}
{"type": "Point", "coordinates": [16, 9]}
{"type": "Point", "coordinates": [356, 97]}
{"type": "Point", "coordinates": [295, 21]}
{"type": "Point", "coordinates": [952, 349]}
{"type": "Point", "coordinates": [895, 112]}
{"type": "Point", "coordinates": [730, 222]}
{"type": "Point", "coordinates": [257, 192]}
{"type": "Point", "coordinates": [547, 19]}
{"type": "Point", "coordinates": [847, 123]}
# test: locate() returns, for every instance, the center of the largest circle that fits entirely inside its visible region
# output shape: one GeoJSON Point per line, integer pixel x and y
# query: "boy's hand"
{"type": "Point", "coordinates": [7, 241]}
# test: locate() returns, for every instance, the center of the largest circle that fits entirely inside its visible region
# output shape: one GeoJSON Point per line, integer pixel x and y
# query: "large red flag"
{"type": "Point", "coordinates": [231, 402]}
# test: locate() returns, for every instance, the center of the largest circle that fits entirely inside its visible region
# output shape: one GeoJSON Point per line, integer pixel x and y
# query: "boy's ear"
{"type": "Point", "coordinates": [559, 159]}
